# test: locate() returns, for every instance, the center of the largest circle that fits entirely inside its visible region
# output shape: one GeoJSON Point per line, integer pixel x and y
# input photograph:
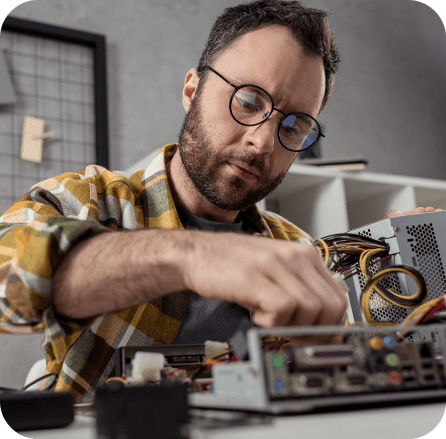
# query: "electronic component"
{"type": "Point", "coordinates": [372, 365]}
{"type": "Point", "coordinates": [36, 409]}
{"type": "Point", "coordinates": [134, 412]}
{"type": "Point", "coordinates": [176, 355]}
{"type": "Point", "coordinates": [394, 364]}
{"type": "Point", "coordinates": [417, 241]}
{"type": "Point", "coordinates": [394, 272]}
{"type": "Point", "coordinates": [147, 366]}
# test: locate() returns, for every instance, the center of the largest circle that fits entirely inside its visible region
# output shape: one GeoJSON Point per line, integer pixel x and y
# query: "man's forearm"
{"type": "Point", "coordinates": [118, 270]}
{"type": "Point", "coordinates": [282, 283]}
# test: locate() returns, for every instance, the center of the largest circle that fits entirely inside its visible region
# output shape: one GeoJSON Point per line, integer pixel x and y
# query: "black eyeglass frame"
{"type": "Point", "coordinates": [238, 87]}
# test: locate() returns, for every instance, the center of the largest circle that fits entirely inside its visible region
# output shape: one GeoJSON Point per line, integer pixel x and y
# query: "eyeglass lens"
{"type": "Point", "coordinates": [250, 105]}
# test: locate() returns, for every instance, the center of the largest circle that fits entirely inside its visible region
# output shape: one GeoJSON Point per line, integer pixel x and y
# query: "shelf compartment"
{"type": "Point", "coordinates": [369, 201]}
{"type": "Point", "coordinates": [426, 197]}
{"type": "Point", "coordinates": [316, 204]}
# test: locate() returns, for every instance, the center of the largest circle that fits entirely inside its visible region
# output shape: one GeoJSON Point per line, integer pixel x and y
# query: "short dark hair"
{"type": "Point", "coordinates": [308, 26]}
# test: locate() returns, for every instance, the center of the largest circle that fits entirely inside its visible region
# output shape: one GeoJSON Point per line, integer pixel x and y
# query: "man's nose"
{"type": "Point", "coordinates": [263, 137]}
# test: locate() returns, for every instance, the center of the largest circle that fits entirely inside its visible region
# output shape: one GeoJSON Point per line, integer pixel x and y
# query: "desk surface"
{"type": "Point", "coordinates": [387, 423]}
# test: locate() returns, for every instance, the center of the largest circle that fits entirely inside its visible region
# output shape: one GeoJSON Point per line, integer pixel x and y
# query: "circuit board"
{"type": "Point", "coordinates": [371, 366]}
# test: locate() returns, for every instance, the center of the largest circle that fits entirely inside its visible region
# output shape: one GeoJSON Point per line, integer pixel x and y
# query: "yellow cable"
{"type": "Point", "coordinates": [323, 244]}
{"type": "Point", "coordinates": [423, 309]}
{"type": "Point", "coordinates": [365, 255]}
{"type": "Point", "coordinates": [365, 297]}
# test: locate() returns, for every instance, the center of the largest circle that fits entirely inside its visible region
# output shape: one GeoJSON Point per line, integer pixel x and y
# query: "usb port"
{"type": "Point", "coordinates": [409, 379]}
{"type": "Point", "coordinates": [425, 351]}
{"type": "Point", "coordinates": [356, 380]}
{"type": "Point", "coordinates": [408, 368]}
{"type": "Point", "coordinates": [429, 377]}
{"type": "Point", "coordinates": [314, 381]}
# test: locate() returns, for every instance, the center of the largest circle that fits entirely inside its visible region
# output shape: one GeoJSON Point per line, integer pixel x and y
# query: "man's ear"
{"type": "Point", "coordinates": [190, 85]}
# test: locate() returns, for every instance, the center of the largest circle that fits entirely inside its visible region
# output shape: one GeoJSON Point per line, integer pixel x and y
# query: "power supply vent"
{"type": "Point", "coordinates": [380, 309]}
{"type": "Point", "coordinates": [428, 258]}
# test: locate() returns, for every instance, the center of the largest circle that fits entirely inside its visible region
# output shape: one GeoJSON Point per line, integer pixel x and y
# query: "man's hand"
{"type": "Point", "coordinates": [391, 213]}
{"type": "Point", "coordinates": [282, 283]}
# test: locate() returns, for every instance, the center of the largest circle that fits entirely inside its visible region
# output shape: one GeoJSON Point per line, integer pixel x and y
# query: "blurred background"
{"type": "Point", "coordinates": [388, 105]}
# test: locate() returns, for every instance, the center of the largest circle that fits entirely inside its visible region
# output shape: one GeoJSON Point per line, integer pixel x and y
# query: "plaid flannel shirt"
{"type": "Point", "coordinates": [42, 226]}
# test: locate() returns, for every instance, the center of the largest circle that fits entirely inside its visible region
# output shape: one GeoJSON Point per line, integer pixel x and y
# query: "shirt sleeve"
{"type": "Point", "coordinates": [281, 228]}
{"type": "Point", "coordinates": [36, 232]}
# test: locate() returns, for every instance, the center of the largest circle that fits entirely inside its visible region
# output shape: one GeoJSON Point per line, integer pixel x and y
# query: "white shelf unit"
{"type": "Point", "coordinates": [323, 201]}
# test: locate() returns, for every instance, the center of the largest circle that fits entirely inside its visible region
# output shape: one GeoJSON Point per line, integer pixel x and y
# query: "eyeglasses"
{"type": "Point", "coordinates": [251, 105]}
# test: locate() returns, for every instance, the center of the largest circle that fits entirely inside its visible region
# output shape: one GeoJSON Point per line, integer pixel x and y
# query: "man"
{"type": "Point", "coordinates": [67, 270]}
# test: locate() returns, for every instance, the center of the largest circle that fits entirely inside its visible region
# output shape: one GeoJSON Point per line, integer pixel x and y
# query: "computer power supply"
{"type": "Point", "coordinates": [418, 241]}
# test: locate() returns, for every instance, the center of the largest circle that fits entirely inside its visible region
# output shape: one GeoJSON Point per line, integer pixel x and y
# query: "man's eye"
{"type": "Point", "coordinates": [246, 104]}
{"type": "Point", "coordinates": [290, 131]}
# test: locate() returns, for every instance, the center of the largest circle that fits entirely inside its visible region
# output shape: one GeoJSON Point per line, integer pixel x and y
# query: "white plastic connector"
{"type": "Point", "coordinates": [212, 348]}
{"type": "Point", "coordinates": [147, 366]}
{"type": "Point", "coordinates": [340, 281]}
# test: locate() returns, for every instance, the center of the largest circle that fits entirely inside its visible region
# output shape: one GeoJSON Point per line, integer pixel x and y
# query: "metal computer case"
{"type": "Point", "coordinates": [416, 240]}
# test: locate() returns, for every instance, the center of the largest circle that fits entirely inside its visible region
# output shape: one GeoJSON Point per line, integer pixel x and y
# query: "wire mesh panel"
{"type": "Point", "coordinates": [414, 241]}
{"type": "Point", "coordinates": [54, 80]}
{"type": "Point", "coordinates": [382, 310]}
{"type": "Point", "coordinates": [424, 245]}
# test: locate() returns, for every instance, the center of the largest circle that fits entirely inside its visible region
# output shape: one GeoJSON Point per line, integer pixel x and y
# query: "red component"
{"type": "Point", "coordinates": [394, 377]}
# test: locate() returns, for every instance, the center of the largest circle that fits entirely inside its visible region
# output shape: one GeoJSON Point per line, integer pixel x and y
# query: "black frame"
{"type": "Point", "coordinates": [97, 43]}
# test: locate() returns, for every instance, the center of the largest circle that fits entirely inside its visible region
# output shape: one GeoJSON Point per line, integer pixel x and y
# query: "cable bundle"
{"type": "Point", "coordinates": [425, 313]}
{"type": "Point", "coordinates": [351, 254]}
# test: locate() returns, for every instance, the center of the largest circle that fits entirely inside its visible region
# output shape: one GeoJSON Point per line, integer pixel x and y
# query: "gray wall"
{"type": "Point", "coordinates": [389, 99]}
{"type": "Point", "coordinates": [388, 104]}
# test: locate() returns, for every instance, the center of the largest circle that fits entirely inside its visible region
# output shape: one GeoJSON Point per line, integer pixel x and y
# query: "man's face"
{"type": "Point", "coordinates": [203, 161]}
{"type": "Point", "coordinates": [235, 166]}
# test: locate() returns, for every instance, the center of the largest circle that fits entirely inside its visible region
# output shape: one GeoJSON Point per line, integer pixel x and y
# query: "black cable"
{"type": "Point", "coordinates": [417, 300]}
{"type": "Point", "coordinates": [335, 257]}
{"type": "Point", "coordinates": [198, 372]}
{"type": "Point", "coordinates": [432, 320]}
{"type": "Point", "coordinates": [350, 257]}
{"type": "Point", "coordinates": [205, 366]}
{"type": "Point", "coordinates": [7, 389]}
{"type": "Point", "coordinates": [379, 286]}
{"type": "Point", "coordinates": [55, 375]}
{"type": "Point", "coordinates": [371, 261]}
{"type": "Point", "coordinates": [352, 237]}
{"type": "Point", "coordinates": [405, 302]}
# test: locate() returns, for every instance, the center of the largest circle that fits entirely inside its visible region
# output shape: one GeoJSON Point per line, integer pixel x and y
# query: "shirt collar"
{"type": "Point", "coordinates": [155, 183]}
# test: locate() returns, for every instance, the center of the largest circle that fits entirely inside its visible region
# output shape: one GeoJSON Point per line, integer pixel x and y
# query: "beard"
{"type": "Point", "coordinates": [202, 159]}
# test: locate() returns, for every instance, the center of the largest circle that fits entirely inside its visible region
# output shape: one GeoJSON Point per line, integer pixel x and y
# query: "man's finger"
{"type": "Point", "coordinates": [391, 213]}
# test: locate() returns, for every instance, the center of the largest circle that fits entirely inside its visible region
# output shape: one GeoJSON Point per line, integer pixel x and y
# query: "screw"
{"type": "Point", "coordinates": [397, 229]}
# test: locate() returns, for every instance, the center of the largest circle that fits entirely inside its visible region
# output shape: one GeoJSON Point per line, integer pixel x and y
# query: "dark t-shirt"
{"type": "Point", "coordinates": [210, 319]}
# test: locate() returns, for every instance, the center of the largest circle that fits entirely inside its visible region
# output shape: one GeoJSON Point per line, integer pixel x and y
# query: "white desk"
{"type": "Point", "coordinates": [388, 423]}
